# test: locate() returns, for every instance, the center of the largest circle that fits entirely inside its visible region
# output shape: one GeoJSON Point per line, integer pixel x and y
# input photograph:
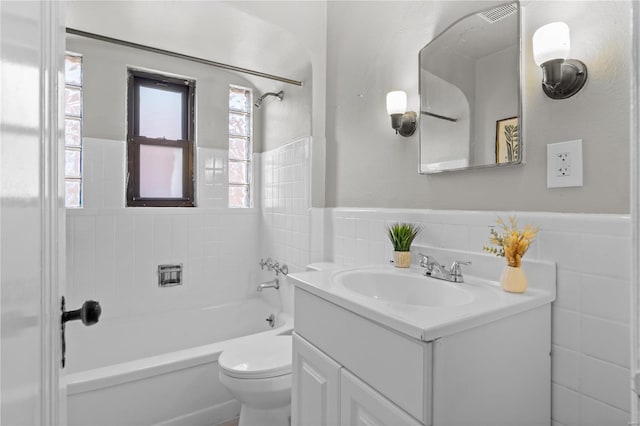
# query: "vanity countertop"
{"type": "Point", "coordinates": [484, 300]}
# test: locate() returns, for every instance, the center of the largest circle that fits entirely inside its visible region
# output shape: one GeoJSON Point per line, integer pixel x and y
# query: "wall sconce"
{"type": "Point", "coordinates": [402, 121]}
{"type": "Point", "coordinates": [561, 77]}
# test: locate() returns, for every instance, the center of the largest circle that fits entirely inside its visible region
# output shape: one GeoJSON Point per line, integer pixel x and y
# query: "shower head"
{"type": "Point", "coordinates": [279, 95]}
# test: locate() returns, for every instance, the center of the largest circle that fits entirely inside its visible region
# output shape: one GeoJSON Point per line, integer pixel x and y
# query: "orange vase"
{"type": "Point", "coordinates": [513, 280]}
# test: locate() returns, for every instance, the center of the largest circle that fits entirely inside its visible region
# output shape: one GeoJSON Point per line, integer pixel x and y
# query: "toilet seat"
{"type": "Point", "coordinates": [258, 359]}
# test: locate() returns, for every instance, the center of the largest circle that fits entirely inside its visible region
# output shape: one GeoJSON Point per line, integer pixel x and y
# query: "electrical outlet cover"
{"type": "Point", "coordinates": [564, 164]}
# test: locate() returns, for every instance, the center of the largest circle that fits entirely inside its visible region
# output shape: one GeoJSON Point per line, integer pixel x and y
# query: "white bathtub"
{"type": "Point", "coordinates": [160, 369]}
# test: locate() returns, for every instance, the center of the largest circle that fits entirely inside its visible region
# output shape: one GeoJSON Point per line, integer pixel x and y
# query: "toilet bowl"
{"type": "Point", "coordinates": [258, 374]}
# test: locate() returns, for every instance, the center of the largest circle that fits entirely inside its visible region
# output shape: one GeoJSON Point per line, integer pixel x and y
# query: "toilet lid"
{"type": "Point", "coordinates": [258, 358]}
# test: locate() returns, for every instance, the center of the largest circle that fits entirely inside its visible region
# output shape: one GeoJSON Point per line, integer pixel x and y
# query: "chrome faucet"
{"type": "Point", "coordinates": [434, 269]}
{"type": "Point", "coordinates": [272, 265]}
{"type": "Point", "coordinates": [274, 283]}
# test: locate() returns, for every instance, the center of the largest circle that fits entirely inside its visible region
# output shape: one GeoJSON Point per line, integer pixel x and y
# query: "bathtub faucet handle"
{"type": "Point", "coordinates": [268, 263]}
{"type": "Point", "coordinates": [284, 269]}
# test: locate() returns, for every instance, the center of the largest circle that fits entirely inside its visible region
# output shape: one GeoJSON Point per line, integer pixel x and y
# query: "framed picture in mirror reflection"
{"type": "Point", "coordinates": [507, 140]}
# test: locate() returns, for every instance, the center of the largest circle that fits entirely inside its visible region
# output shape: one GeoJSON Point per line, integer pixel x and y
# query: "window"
{"type": "Point", "coordinates": [160, 139]}
{"type": "Point", "coordinates": [72, 130]}
{"type": "Point", "coordinates": [240, 147]}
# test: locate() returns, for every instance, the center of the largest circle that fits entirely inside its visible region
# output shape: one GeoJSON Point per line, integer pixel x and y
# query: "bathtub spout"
{"type": "Point", "coordinates": [269, 284]}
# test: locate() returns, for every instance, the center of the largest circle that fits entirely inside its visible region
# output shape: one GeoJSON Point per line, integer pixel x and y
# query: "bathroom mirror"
{"type": "Point", "coordinates": [470, 105]}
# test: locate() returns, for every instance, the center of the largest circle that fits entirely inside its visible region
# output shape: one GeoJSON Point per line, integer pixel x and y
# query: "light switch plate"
{"type": "Point", "coordinates": [564, 164]}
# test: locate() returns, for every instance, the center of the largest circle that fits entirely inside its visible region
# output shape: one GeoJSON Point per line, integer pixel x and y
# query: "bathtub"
{"type": "Point", "coordinates": [160, 369]}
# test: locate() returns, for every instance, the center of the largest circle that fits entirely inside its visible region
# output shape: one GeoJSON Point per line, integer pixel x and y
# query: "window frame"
{"type": "Point", "coordinates": [137, 78]}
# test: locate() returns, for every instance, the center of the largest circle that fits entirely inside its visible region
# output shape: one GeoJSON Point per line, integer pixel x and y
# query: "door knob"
{"type": "Point", "coordinates": [89, 314]}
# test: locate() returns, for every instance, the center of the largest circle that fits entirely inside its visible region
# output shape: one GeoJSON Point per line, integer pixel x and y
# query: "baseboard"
{"type": "Point", "coordinates": [209, 416]}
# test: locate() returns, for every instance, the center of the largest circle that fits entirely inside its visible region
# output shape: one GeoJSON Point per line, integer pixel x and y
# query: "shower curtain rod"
{"type": "Point", "coordinates": [180, 56]}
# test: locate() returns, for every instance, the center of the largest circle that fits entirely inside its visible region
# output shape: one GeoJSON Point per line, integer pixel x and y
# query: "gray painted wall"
{"type": "Point", "coordinates": [369, 166]}
{"type": "Point", "coordinates": [105, 91]}
{"type": "Point", "coordinates": [286, 121]}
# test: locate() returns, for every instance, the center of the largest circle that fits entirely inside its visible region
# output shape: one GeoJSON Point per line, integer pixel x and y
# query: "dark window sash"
{"type": "Point", "coordinates": [134, 141]}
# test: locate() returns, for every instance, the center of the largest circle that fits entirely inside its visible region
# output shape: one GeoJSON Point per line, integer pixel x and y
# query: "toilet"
{"type": "Point", "coordinates": [258, 374]}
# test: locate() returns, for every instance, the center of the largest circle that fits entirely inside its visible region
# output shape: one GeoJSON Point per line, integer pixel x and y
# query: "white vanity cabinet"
{"type": "Point", "coordinates": [351, 370]}
{"type": "Point", "coordinates": [325, 394]}
{"type": "Point", "coordinates": [316, 386]}
{"type": "Point", "coordinates": [335, 342]}
{"type": "Point", "coordinates": [362, 405]}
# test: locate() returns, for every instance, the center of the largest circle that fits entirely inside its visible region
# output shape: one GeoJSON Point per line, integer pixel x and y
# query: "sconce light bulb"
{"type": "Point", "coordinates": [551, 41]}
{"type": "Point", "coordinates": [396, 102]}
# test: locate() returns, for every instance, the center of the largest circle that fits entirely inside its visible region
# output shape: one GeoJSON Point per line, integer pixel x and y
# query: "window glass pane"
{"type": "Point", "coordinates": [238, 172]}
{"type": "Point", "coordinates": [72, 101]}
{"type": "Point", "coordinates": [238, 196]}
{"type": "Point", "coordinates": [160, 114]}
{"type": "Point", "coordinates": [73, 70]}
{"type": "Point", "coordinates": [160, 171]}
{"type": "Point", "coordinates": [238, 149]}
{"type": "Point", "coordinates": [239, 99]}
{"type": "Point", "coordinates": [72, 134]}
{"type": "Point", "coordinates": [72, 193]}
{"type": "Point", "coordinates": [73, 130]}
{"type": "Point", "coordinates": [239, 164]}
{"type": "Point", "coordinates": [72, 163]}
{"type": "Point", "coordinates": [239, 124]}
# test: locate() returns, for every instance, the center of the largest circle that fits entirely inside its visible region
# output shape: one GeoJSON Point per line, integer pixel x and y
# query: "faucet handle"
{"type": "Point", "coordinates": [424, 260]}
{"type": "Point", "coordinates": [456, 271]}
{"type": "Point", "coordinates": [262, 263]}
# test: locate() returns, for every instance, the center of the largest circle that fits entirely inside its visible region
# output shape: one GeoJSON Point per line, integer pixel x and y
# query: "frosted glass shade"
{"type": "Point", "coordinates": [551, 41]}
{"type": "Point", "coordinates": [396, 102]}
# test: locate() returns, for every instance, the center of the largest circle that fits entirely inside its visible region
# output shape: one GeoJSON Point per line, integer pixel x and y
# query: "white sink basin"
{"type": "Point", "coordinates": [401, 288]}
{"type": "Point", "coordinates": [425, 308]}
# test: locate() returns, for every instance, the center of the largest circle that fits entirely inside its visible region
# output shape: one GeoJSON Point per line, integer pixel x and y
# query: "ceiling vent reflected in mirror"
{"type": "Point", "coordinates": [498, 13]}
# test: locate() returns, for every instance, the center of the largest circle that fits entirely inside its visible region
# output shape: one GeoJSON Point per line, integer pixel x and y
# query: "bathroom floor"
{"type": "Point", "coordinates": [233, 422]}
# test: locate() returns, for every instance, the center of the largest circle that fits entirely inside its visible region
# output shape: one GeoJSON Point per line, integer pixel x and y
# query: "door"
{"type": "Point", "coordinates": [316, 382]}
{"type": "Point", "coordinates": [32, 217]}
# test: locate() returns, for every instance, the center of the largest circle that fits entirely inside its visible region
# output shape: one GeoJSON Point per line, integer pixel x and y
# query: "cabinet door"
{"type": "Point", "coordinates": [315, 387]}
{"type": "Point", "coordinates": [362, 405]}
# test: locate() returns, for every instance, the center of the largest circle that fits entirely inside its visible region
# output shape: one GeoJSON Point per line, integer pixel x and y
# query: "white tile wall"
{"type": "Point", "coordinates": [113, 255]}
{"type": "Point", "coordinates": [113, 252]}
{"type": "Point", "coordinates": [286, 203]}
{"type": "Point", "coordinates": [285, 233]}
{"type": "Point", "coordinates": [590, 335]}
{"type": "Point", "coordinates": [103, 173]}
{"type": "Point", "coordinates": [213, 178]}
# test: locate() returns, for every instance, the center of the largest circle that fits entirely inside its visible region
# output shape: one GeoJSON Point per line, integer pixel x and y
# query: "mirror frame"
{"type": "Point", "coordinates": [520, 116]}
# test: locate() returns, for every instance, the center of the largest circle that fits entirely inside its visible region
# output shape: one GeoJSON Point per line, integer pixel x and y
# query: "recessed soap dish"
{"type": "Point", "coordinates": [169, 275]}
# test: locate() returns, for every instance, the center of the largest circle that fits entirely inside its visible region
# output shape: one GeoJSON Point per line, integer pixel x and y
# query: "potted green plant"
{"type": "Point", "coordinates": [402, 236]}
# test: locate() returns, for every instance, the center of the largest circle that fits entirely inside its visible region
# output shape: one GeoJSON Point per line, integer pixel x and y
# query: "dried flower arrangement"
{"type": "Point", "coordinates": [512, 243]}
